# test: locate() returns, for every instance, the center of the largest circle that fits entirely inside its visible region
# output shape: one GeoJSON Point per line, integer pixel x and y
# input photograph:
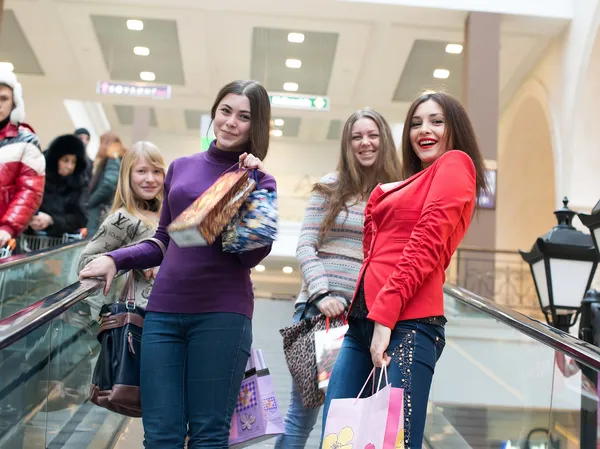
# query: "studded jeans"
{"type": "Point", "coordinates": [415, 347]}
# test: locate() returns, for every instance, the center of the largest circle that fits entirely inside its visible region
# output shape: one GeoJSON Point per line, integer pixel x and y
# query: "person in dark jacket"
{"type": "Point", "coordinates": [104, 180]}
{"type": "Point", "coordinates": [63, 208]}
{"type": "Point", "coordinates": [84, 135]}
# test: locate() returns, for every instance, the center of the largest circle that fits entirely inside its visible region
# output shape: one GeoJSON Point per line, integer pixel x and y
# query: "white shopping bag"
{"type": "Point", "coordinates": [328, 343]}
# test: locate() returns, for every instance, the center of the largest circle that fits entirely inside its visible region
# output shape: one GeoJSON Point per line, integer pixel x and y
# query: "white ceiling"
{"type": "Point", "coordinates": [200, 45]}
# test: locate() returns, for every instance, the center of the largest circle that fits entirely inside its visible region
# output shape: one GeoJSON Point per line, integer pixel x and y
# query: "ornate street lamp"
{"type": "Point", "coordinates": [562, 264]}
{"type": "Point", "coordinates": [592, 222]}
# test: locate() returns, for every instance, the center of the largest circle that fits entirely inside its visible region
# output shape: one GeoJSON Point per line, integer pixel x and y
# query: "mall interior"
{"type": "Point", "coordinates": [522, 354]}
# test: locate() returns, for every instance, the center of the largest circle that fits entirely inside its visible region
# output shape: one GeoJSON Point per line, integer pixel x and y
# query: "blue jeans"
{"type": "Point", "coordinates": [299, 421]}
{"type": "Point", "coordinates": [415, 348]}
{"type": "Point", "coordinates": [191, 370]}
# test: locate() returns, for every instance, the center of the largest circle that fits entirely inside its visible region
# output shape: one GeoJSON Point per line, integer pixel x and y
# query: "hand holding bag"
{"type": "Point", "coordinates": [116, 379]}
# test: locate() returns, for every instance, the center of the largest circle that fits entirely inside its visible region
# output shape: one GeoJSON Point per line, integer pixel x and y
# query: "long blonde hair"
{"type": "Point", "coordinates": [124, 196]}
{"type": "Point", "coordinates": [354, 180]}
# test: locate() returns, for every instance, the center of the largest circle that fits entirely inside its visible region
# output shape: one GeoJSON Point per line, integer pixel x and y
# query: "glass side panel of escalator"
{"type": "Point", "coordinates": [44, 385]}
{"type": "Point", "coordinates": [32, 279]}
{"type": "Point", "coordinates": [496, 388]}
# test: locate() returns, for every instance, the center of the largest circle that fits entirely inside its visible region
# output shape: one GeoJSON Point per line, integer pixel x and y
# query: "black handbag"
{"type": "Point", "coordinates": [116, 379]}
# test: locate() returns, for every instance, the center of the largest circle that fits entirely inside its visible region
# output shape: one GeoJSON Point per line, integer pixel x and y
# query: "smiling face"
{"type": "Point", "coordinates": [146, 180]}
{"type": "Point", "coordinates": [232, 122]}
{"type": "Point", "coordinates": [428, 132]}
{"type": "Point", "coordinates": [365, 141]}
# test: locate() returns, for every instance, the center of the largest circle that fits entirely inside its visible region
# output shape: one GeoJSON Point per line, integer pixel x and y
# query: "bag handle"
{"type": "Point", "coordinates": [372, 374]}
{"type": "Point", "coordinates": [128, 293]}
{"type": "Point", "coordinates": [254, 171]}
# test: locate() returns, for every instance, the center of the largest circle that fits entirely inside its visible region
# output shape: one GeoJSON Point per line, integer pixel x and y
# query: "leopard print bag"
{"type": "Point", "coordinates": [301, 357]}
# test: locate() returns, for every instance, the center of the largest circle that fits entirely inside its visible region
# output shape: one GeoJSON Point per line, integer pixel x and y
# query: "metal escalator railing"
{"type": "Point", "coordinates": [503, 374]}
{"type": "Point", "coordinates": [48, 350]}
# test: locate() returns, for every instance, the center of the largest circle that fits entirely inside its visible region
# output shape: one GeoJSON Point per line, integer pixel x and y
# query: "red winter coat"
{"type": "Point", "coordinates": [22, 173]}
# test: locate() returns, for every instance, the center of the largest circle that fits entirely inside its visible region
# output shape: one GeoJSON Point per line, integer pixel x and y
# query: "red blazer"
{"type": "Point", "coordinates": [410, 235]}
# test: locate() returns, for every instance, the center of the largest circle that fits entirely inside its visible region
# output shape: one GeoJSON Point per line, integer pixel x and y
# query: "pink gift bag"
{"type": "Point", "coordinates": [376, 422]}
{"type": "Point", "coordinates": [256, 416]}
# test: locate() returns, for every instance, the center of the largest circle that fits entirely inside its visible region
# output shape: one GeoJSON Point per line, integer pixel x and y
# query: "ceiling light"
{"type": "Point", "coordinates": [260, 268]}
{"type": "Point", "coordinates": [455, 49]}
{"type": "Point", "coordinates": [296, 38]}
{"type": "Point", "coordinates": [7, 66]}
{"type": "Point", "coordinates": [147, 76]}
{"type": "Point", "coordinates": [293, 63]}
{"type": "Point", "coordinates": [277, 133]}
{"type": "Point", "coordinates": [441, 73]}
{"type": "Point", "coordinates": [288, 270]}
{"type": "Point", "coordinates": [141, 51]}
{"type": "Point", "coordinates": [135, 25]}
{"type": "Point", "coordinates": [279, 122]}
{"type": "Point", "coordinates": [290, 87]}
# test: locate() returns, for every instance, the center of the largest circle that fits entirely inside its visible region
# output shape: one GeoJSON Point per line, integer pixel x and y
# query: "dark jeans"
{"type": "Point", "coordinates": [415, 348]}
{"type": "Point", "coordinates": [192, 369]}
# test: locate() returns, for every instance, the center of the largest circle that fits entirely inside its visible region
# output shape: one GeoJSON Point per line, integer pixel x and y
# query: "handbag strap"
{"type": "Point", "coordinates": [254, 171]}
{"type": "Point", "coordinates": [128, 293]}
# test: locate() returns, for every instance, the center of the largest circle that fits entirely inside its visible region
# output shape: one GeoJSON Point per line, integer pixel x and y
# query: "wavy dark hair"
{"type": "Point", "coordinates": [354, 180]}
{"type": "Point", "coordinates": [458, 133]}
{"type": "Point", "coordinates": [260, 113]}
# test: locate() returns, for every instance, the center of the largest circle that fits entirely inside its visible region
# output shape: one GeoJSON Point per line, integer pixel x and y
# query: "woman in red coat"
{"type": "Point", "coordinates": [411, 231]}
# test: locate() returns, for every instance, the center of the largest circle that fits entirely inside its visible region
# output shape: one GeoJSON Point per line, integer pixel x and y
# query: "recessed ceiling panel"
{"type": "Point", "coordinates": [271, 49]}
{"type": "Point", "coordinates": [125, 115]}
{"type": "Point", "coordinates": [335, 130]}
{"type": "Point", "coordinates": [291, 126]}
{"type": "Point", "coordinates": [15, 48]}
{"type": "Point", "coordinates": [159, 36]}
{"type": "Point", "coordinates": [417, 76]}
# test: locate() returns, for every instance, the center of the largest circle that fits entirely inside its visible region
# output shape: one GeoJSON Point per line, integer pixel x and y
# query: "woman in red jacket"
{"type": "Point", "coordinates": [411, 231]}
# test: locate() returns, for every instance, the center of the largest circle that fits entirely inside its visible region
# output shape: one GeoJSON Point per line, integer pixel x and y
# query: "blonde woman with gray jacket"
{"type": "Point", "coordinates": [134, 215]}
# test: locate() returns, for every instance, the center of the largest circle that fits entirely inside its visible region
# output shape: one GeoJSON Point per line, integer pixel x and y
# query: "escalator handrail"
{"type": "Point", "coordinates": [20, 259]}
{"type": "Point", "coordinates": [563, 342]}
{"type": "Point", "coordinates": [19, 324]}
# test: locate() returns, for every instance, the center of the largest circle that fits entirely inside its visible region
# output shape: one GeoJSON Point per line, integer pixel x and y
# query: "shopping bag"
{"type": "Point", "coordinates": [376, 422]}
{"type": "Point", "coordinates": [204, 220]}
{"type": "Point", "coordinates": [255, 224]}
{"type": "Point", "coordinates": [328, 343]}
{"type": "Point", "coordinates": [299, 350]}
{"type": "Point", "coordinates": [256, 416]}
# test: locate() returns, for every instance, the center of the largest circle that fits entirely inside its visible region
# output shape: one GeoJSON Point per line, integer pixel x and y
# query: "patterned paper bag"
{"type": "Point", "coordinates": [204, 220]}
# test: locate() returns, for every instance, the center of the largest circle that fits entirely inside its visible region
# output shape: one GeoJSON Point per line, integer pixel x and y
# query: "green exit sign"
{"type": "Point", "coordinates": [299, 101]}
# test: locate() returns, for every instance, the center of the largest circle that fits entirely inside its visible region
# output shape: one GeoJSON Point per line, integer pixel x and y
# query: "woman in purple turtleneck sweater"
{"type": "Point", "coordinates": [198, 330]}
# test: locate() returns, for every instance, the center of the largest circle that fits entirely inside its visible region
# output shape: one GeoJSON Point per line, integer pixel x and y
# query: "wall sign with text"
{"type": "Point", "coordinates": [139, 90]}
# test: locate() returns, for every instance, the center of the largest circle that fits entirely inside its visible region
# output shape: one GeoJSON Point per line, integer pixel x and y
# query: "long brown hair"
{"type": "Point", "coordinates": [458, 132]}
{"type": "Point", "coordinates": [124, 195]}
{"type": "Point", "coordinates": [353, 180]}
{"type": "Point", "coordinates": [260, 113]}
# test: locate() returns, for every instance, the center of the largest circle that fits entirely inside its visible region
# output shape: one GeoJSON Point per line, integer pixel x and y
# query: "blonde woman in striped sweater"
{"type": "Point", "coordinates": [330, 244]}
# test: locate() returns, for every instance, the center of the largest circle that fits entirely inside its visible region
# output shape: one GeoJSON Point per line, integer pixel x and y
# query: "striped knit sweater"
{"type": "Point", "coordinates": [333, 264]}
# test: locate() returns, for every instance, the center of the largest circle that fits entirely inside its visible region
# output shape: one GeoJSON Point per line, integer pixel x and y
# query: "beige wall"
{"type": "Point", "coordinates": [525, 198]}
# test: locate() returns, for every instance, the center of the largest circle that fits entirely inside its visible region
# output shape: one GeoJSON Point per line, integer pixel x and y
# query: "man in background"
{"type": "Point", "coordinates": [84, 136]}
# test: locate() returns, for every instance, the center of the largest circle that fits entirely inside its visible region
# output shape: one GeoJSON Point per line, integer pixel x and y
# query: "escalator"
{"type": "Point", "coordinates": [500, 384]}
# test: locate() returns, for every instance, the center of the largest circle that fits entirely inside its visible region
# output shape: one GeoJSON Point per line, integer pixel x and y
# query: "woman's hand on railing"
{"type": "Point", "coordinates": [103, 267]}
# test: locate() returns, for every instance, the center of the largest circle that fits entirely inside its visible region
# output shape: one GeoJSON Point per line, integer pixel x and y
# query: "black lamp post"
{"type": "Point", "coordinates": [562, 264]}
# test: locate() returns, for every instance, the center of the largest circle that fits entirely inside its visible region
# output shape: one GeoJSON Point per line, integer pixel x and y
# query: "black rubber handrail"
{"type": "Point", "coordinates": [569, 345]}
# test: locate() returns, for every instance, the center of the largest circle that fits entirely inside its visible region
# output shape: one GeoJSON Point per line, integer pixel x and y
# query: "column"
{"type": "Point", "coordinates": [141, 123]}
{"type": "Point", "coordinates": [1, 13]}
{"type": "Point", "coordinates": [481, 91]}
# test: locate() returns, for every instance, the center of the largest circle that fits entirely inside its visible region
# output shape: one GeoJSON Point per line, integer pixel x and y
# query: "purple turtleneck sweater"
{"type": "Point", "coordinates": [197, 279]}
